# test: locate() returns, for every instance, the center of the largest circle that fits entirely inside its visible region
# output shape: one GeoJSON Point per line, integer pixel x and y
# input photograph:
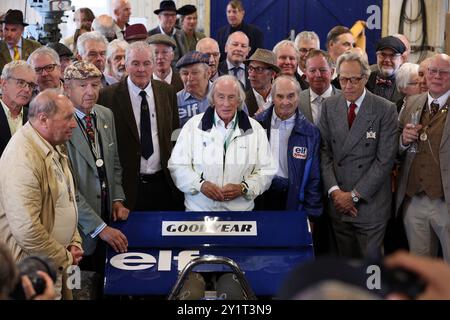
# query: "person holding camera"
{"type": "Point", "coordinates": [38, 211]}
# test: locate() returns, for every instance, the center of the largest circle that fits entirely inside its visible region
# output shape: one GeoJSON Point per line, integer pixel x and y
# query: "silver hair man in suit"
{"type": "Point", "coordinates": [424, 182]}
{"type": "Point", "coordinates": [318, 71]}
{"type": "Point", "coordinates": [97, 171]}
{"type": "Point", "coordinates": [359, 144]}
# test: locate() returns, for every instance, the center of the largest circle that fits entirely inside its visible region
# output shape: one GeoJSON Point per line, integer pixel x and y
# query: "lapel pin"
{"type": "Point", "coordinates": [371, 135]}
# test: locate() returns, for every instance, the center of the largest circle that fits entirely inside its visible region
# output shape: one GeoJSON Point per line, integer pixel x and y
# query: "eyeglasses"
{"type": "Point", "coordinates": [390, 56]}
{"type": "Point", "coordinates": [48, 68]}
{"type": "Point", "coordinates": [441, 72]}
{"type": "Point", "coordinates": [257, 70]}
{"type": "Point", "coordinates": [305, 50]}
{"type": "Point", "coordinates": [353, 80]}
{"type": "Point", "coordinates": [22, 84]}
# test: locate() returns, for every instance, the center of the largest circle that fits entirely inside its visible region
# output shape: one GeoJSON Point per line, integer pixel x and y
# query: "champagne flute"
{"type": "Point", "coordinates": [415, 120]}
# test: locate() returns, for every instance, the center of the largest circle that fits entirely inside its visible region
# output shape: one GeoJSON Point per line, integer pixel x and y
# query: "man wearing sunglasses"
{"type": "Point", "coordinates": [18, 80]}
{"type": "Point", "coordinates": [359, 145]}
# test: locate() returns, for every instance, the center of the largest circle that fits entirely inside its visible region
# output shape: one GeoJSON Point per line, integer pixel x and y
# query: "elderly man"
{"type": "Point", "coordinates": [167, 16]}
{"type": "Point", "coordinates": [262, 69]}
{"type": "Point", "coordinates": [194, 72]}
{"type": "Point", "coordinates": [319, 70]}
{"type": "Point", "coordinates": [96, 167]}
{"type": "Point", "coordinates": [47, 66]}
{"type": "Point", "coordinates": [38, 212]}
{"type": "Point", "coordinates": [222, 159]}
{"type": "Point", "coordinates": [13, 46]}
{"type": "Point", "coordinates": [359, 144]}
{"type": "Point", "coordinates": [104, 24]}
{"type": "Point", "coordinates": [121, 11]}
{"type": "Point", "coordinates": [210, 47]}
{"type": "Point", "coordinates": [115, 61]}
{"type": "Point", "coordinates": [163, 48]}
{"type": "Point", "coordinates": [305, 41]}
{"type": "Point", "coordinates": [423, 188]}
{"type": "Point", "coordinates": [287, 60]}
{"type": "Point", "coordinates": [91, 47]}
{"type": "Point", "coordinates": [189, 34]}
{"type": "Point", "coordinates": [389, 59]}
{"type": "Point", "coordinates": [17, 82]}
{"type": "Point", "coordinates": [145, 115]}
{"type": "Point", "coordinates": [237, 49]}
{"type": "Point", "coordinates": [295, 144]}
{"type": "Point", "coordinates": [235, 17]}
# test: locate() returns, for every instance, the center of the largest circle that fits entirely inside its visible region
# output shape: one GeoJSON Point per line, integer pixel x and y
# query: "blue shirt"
{"type": "Point", "coordinates": [189, 106]}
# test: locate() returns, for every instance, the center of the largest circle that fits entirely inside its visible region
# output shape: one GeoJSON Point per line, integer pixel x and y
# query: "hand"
{"type": "Point", "coordinates": [30, 293]}
{"type": "Point", "coordinates": [435, 273]}
{"type": "Point", "coordinates": [231, 191]}
{"type": "Point", "coordinates": [212, 191]}
{"type": "Point", "coordinates": [410, 133]}
{"type": "Point", "coordinates": [77, 254]}
{"type": "Point", "coordinates": [115, 238]}
{"type": "Point", "coordinates": [119, 212]}
{"type": "Point", "coordinates": [343, 202]}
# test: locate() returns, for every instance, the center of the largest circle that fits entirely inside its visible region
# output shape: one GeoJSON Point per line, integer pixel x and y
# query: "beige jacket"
{"type": "Point", "coordinates": [28, 195]}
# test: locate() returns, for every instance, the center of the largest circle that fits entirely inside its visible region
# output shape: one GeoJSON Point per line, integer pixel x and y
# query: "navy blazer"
{"type": "Point", "coordinates": [5, 132]}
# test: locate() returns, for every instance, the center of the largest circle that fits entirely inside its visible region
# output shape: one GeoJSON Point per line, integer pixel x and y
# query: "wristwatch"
{"type": "Point", "coordinates": [355, 197]}
{"type": "Point", "coordinates": [244, 188]}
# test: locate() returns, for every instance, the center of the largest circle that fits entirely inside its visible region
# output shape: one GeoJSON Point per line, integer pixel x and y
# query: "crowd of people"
{"type": "Point", "coordinates": [118, 119]}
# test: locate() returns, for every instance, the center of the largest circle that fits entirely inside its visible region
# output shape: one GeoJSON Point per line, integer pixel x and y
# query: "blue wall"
{"type": "Point", "coordinates": [277, 17]}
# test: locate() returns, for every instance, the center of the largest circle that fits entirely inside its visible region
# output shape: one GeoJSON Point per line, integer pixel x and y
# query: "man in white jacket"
{"type": "Point", "coordinates": [222, 159]}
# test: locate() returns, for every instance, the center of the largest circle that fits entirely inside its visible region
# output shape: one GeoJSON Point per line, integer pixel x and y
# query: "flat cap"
{"type": "Point", "coordinates": [60, 49]}
{"type": "Point", "coordinates": [192, 57]}
{"type": "Point", "coordinates": [391, 42]}
{"type": "Point", "coordinates": [81, 70]}
{"type": "Point", "coordinates": [187, 9]}
{"type": "Point", "coordinates": [135, 32]}
{"type": "Point", "coordinates": [162, 39]}
{"type": "Point", "coordinates": [264, 56]}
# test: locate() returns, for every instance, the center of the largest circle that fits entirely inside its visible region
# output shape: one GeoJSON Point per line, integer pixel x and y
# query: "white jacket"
{"type": "Point", "coordinates": [199, 156]}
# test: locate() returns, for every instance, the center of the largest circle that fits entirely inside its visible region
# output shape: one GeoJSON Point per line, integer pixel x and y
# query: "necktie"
{"type": "Point", "coordinates": [383, 82]}
{"type": "Point", "coordinates": [16, 53]}
{"type": "Point", "coordinates": [146, 129]}
{"type": "Point", "coordinates": [351, 115]}
{"type": "Point", "coordinates": [434, 108]}
{"type": "Point", "coordinates": [89, 129]}
{"type": "Point", "coordinates": [235, 71]}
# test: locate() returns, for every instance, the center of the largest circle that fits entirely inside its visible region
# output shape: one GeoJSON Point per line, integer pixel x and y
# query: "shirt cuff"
{"type": "Point", "coordinates": [121, 200]}
{"type": "Point", "coordinates": [98, 230]}
{"type": "Point", "coordinates": [403, 147]}
{"type": "Point", "coordinates": [333, 188]}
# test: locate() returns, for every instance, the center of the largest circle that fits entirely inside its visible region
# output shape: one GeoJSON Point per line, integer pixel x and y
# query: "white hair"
{"type": "Point", "coordinates": [308, 36]}
{"type": "Point", "coordinates": [89, 36]}
{"type": "Point", "coordinates": [115, 45]}
{"type": "Point", "coordinates": [405, 73]}
{"type": "Point", "coordinates": [227, 77]}
{"type": "Point", "coordinates": [287, 43]}
{"type": "Point", "coordinates": [44, 51]}
{"type": "Point", "coordinates": [12, 66]}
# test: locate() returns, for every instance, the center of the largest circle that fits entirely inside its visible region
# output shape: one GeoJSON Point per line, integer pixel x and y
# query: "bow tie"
{"type": "Point", "coordinates": [383, 82]}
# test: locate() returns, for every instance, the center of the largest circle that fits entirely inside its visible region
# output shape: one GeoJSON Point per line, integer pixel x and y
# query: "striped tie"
{"type": "Point", "coordinates": [16, 53]}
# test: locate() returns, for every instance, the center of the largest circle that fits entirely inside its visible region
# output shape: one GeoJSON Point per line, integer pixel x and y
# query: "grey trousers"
{"type": "Point", "coordinates": [427, 222]}
{"type": "Point", "coordinates": [356, 240]}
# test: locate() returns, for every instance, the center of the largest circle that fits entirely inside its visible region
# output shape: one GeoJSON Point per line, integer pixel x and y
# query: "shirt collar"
{"type": "Point", "coordinates": [442, 100]}
{"type": "Point", "coordinates": [135, 90]}
{"type": "Point", "coordinates": [170, 35]}
{"type": "Point", "coordinates": [326, 94]}
{"type": "Point", "coordinates": [359, 101]}
{"type": "Point", "coordinates": [8, 112]}
{"type": "Point", "coordinates": [277, 121]}
{"type": "Point", "coordinates": [231, 66]}
{"type": "Point", "coordinates": [19, 45]}
{"type": "Point", "coordinates": [80, 114]}
{"type": "Point", "coordinates": [167, 79]}
{"type": "Point", "coordinates": [221, 123]}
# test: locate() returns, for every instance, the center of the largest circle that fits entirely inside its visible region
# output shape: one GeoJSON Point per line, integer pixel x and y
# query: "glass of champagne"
{"type": "Point", "coordinates": [415, 120]}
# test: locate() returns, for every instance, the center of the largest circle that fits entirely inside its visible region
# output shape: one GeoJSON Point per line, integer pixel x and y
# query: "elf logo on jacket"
{"type": "Point", "coordinates": [300, 152]}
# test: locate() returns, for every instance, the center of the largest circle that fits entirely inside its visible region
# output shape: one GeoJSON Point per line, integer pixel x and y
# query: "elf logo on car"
{"type": "Point", "coordinates": [132, 261]}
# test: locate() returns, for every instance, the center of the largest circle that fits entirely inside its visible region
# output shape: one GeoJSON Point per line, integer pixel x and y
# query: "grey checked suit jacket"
{"type": "Point", "coordinates": [305, 103]}
{"type": "Point", "coordinates": [86, 175]}
{"type": "Point", "coordinates": [414, 103]}
{"type": "Point", "coordinates": [351, 159]}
